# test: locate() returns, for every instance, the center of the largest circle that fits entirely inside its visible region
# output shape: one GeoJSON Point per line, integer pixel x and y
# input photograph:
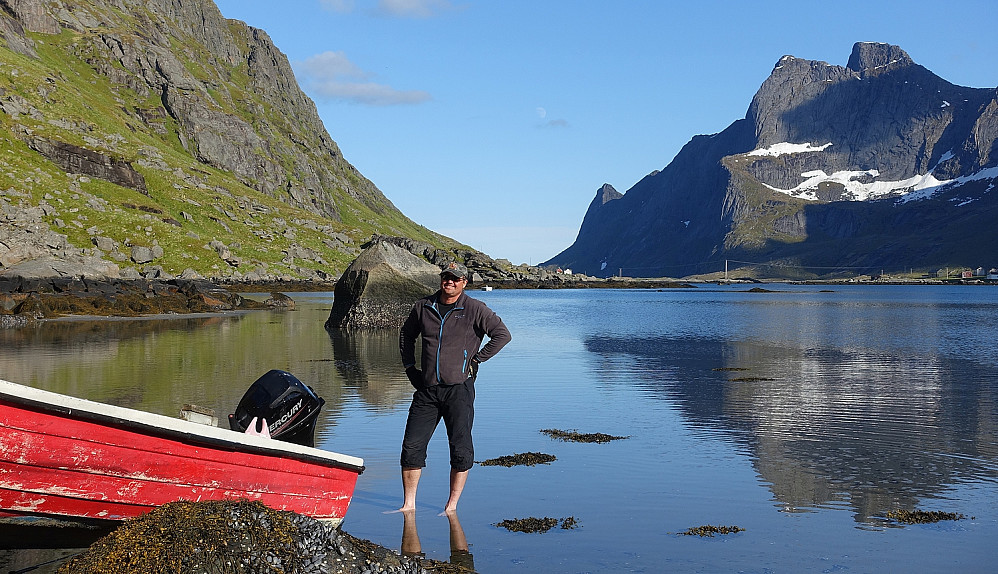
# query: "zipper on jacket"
{"type": "Point", "coordinates": [440, 337]}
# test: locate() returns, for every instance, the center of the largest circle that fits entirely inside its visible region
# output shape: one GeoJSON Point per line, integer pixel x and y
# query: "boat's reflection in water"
{"type": "Point", "coordinates": [41, 545]}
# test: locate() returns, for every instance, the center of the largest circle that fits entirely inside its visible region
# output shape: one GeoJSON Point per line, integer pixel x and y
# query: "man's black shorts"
{"type": "Point", "coordinates": [455, 404]}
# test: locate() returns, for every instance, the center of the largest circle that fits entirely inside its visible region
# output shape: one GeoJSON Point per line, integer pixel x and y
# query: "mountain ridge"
{"type": "Point", "coordinates": [882, 122]}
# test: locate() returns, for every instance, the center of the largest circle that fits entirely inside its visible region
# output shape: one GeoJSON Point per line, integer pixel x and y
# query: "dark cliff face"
{"type": "Point", "coordinates": [821, 172]}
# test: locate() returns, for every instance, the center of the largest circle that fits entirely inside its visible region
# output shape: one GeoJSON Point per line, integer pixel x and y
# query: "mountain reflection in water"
{"type": "Point", "coordinates": [828, 427]}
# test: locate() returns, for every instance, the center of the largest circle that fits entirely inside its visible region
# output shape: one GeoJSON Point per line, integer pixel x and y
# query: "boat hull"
{"type": "Point", "coordinates": [66, 457]}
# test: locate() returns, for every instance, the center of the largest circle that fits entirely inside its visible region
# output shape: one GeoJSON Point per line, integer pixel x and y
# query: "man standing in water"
{"type": "Point", "coordinates": [452, 326]}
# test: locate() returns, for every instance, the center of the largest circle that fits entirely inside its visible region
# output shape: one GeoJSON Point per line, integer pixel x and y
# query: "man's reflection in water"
{"type": "Point", "coordinates": [459, 553]}
{"type": "Point", "coordinates": [410, 538]}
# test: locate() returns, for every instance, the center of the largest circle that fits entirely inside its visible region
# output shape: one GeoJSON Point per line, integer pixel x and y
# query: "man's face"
{"type": "Point", "coordinates": [452, 286]}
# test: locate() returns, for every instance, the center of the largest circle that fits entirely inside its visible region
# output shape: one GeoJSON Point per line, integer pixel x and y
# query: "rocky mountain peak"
{"type": "Point", "coordinates": [607, 193]}
{"type": "Point", "coordinates": [877, 57]}
{"type": "Point", "coordinates": [831, 166]}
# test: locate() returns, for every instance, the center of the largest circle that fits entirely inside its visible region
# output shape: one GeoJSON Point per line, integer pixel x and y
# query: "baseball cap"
{"type": "Point", "coordinates": [456, 269]}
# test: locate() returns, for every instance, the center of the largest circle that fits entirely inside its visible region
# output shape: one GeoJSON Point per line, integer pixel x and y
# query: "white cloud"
{"type": "Point", "coordinates": [331, 75]}
{"type": "Point", "coordinates": [556, 124]}
{"type": "Point", "coordinates": [412, 8]}
{"type": "Point", "coordinates": [543, 114]}
{"type": "Point", "coordinates": [337, 5]}
{"type": "Point", "coordinates": [331, 65]}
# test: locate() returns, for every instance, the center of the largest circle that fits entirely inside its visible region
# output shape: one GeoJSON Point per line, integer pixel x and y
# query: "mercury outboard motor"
{"type": "Point", "coordinates": [289, 406]}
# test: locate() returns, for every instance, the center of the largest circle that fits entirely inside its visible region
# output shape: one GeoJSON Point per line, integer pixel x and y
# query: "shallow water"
{"type": "Point", "coordinates": [802, 415]}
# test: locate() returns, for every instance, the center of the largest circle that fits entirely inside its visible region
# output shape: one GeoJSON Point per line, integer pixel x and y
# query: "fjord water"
{"type": "Point", "coordinates": [801, 414]}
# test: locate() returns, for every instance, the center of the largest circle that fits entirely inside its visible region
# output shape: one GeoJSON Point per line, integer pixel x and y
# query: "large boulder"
{"type": "Point", "coordinates": [378, 289]}
{"type": "Point", "coordinates": [50, 268]}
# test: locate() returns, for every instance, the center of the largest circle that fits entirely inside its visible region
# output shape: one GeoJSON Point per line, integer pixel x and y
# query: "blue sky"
{"type": "Point", "coordinates": [495, 122]}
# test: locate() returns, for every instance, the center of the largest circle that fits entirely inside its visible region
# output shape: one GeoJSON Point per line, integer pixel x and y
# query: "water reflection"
{"type": "Point", "coordinates": [369, 362]}
{"type": "Point", "coordinates": [130, 363]}
{"type": "Point", "coordinates": [160, 365]}
{"type": "Point", "coordinates": [857, 400]}
{"type": "Point", "coordinates": [864, 429]}
{"type": "Point", "coordinates": [460, 555]}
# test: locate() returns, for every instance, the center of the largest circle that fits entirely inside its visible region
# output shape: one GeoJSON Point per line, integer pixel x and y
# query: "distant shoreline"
{"type": "Point", "coordinates": [77, 306]}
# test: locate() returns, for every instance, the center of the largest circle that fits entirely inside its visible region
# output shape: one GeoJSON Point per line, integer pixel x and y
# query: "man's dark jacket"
{"type": "Point", "coordinates": [453, 341]}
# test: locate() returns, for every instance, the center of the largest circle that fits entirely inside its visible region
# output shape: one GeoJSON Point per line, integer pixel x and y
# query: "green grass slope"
{"type": "Point", "coordinates": [204, 218]}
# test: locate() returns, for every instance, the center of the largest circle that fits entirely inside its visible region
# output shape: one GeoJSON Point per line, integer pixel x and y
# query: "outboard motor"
{"type": "Point", "coordinates": [289, 406]}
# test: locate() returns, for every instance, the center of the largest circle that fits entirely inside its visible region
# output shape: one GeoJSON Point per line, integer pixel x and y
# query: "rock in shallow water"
{"type": "Point", "coordinates": [378, 289]}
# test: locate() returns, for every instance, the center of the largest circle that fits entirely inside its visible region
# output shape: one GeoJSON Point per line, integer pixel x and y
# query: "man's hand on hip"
{"type": "Point", "coordinates": [415, 377]}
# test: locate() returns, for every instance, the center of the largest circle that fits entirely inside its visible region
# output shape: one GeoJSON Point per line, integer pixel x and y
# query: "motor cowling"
{"type": "Point", "coordinates": [289, 407]}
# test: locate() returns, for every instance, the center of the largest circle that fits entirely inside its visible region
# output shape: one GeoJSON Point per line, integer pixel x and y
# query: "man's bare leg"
{"type": "Point", "coordinates": [457, 481]}
{"type": "Point", "coordinates": [410, 480]}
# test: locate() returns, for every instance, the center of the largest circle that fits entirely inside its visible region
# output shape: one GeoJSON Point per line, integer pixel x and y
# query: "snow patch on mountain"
{"type": "Point", "coordinates": [859, 190]}
{"type": "Point", "coordinates": [910, 189]}
{"type": "Point", "coordinates": [785, 148]}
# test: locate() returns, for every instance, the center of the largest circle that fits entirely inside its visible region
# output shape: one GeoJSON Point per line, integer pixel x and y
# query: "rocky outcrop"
{"type": "Point", "coordinates": [24, 299]}
{"type": "Point", "coordinates": [30, 249]}
{"type": "Point", "coordinates": [378, 289]}
{"type": "Point", "coordinates": [832, 166]}
{"type": "Point", "coordinates": [78, 160]}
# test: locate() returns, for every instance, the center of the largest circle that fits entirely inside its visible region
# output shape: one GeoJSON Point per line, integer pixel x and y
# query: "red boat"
{"type": "Point", "coordinates": [67, 457]}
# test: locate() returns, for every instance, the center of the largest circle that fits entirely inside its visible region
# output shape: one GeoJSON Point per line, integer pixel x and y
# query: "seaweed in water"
{"type": "Point", "coordinates": [522, 459]}
{"type": "Point", "coordinates": [708, 531]}
{"type": "Point", "coordinates": [922, 516]}
{"type": "Point", "coordinates": [574, 436]}
{"type": "Point", "coordinates": [532, 524]}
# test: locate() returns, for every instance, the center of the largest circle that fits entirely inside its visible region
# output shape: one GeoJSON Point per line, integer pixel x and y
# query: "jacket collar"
{"type": "Point", "coordinates": [435, 298]}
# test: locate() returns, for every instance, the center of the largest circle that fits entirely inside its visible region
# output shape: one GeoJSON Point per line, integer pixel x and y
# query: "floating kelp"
{"type": "Point", "coordinates": [730, 369]}
{"type": "Point", "coordinates": [522, 459]}
{"type": "Point", "coordinates": [573, 436]}
{"type": "Point", "coordinates": [708, 531]}
{"type": "Point", "coordinates": [569, 523]}
{"type": "Point", "coordinates": [922, 516]}
{"type": "Point", "coordinates": [537, 524]}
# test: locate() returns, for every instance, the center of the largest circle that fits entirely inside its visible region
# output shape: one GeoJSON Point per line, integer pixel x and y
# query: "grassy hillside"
{"type": "Point", "coordinates": [203, 218]}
